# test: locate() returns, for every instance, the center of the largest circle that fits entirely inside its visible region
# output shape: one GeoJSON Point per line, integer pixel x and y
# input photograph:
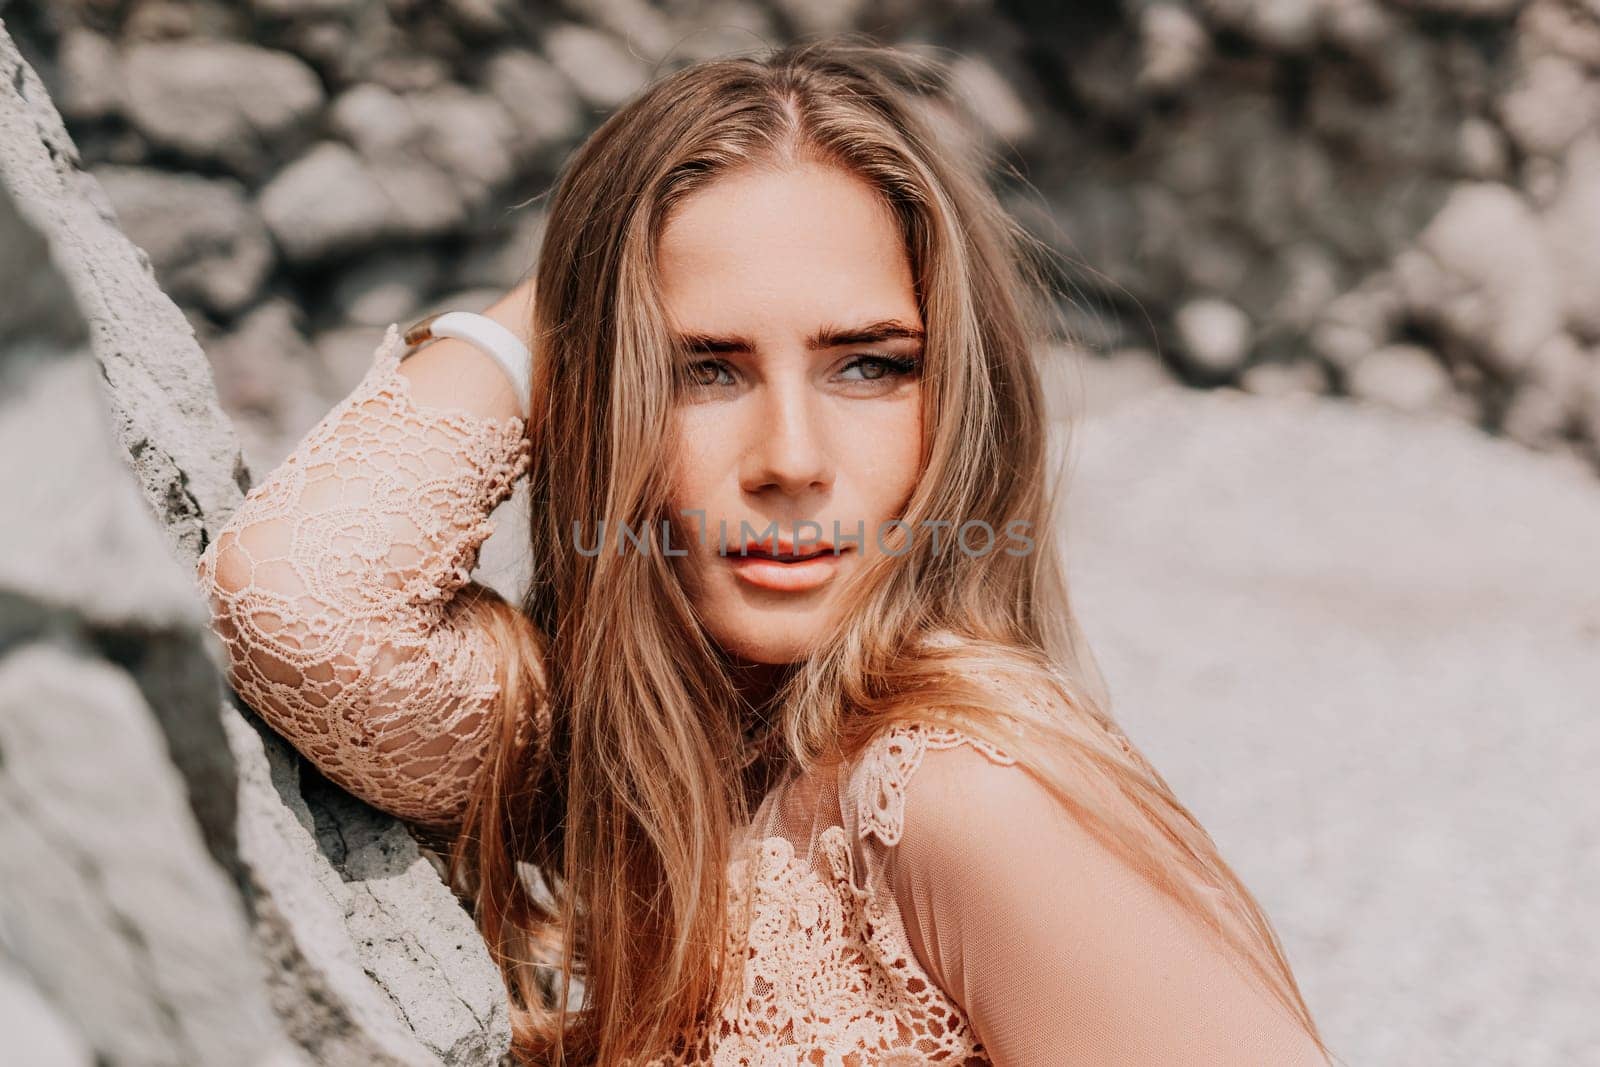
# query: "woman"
{"type": "Point", "coordinates": [856, 802]}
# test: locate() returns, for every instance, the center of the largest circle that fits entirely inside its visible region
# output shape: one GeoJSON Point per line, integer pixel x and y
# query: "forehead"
{"type": "Point", "coordinates": [768, 250]}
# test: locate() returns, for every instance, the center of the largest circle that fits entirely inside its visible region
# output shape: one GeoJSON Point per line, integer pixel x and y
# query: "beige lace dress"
{"type": "Point", "coordinates": [923, 903]}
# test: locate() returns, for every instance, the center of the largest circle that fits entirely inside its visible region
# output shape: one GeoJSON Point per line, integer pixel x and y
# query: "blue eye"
{"type": "Point", "coordinates": [696, 373]}
{"type": "Point", "coordinates": [884, 366]}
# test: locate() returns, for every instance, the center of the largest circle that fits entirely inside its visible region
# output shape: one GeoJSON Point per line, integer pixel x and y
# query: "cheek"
{"type": "Point", "coordinates": [698, 447]}
{"type": "Point", "coordinates": [886, 454]}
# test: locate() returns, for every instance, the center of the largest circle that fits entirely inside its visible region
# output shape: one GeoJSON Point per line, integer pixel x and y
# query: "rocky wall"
{"type": "Point", "coordinates": [1397, 202]}
{"type": "Point", "coordinates": [171, 890]}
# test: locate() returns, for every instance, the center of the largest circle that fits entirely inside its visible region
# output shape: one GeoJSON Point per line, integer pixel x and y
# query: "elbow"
{"type": "Point", "coordinates": [222, 570]}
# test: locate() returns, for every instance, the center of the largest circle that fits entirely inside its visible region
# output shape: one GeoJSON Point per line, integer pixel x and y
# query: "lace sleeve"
{"type": "Point", "coordinates": [340, 591]}
{"type": "Point", "coordinates": [1056, 950]}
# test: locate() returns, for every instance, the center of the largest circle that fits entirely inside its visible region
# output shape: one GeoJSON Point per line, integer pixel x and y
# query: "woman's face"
{"type": "Point", "coordinates": [799, 400]}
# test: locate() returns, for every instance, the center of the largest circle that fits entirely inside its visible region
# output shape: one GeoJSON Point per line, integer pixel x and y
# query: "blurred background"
{"type": "Point", "coordinates": [1332, 274]}
{"type": "Point", "coordinates": [1397, 201]}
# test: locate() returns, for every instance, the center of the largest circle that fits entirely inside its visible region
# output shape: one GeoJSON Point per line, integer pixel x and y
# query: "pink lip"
{"type": "Point", "coordinates": [781, 546]}
{"type": "Point", "coordinates": [766, 573]}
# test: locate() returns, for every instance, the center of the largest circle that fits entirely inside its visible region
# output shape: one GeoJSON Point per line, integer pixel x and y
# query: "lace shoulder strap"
{"type": "Point", "coordinates": [884, 770]}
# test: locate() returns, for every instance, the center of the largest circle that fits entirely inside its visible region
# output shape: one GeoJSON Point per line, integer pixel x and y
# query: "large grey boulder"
{"type": "Point", "coordinates": [166, 888]}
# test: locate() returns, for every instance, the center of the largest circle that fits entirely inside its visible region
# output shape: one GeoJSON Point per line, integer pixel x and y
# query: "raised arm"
{"type": "Point", "coordinates": [340, 588]}
{"type": "Point", "coordinates": [1058, 952]}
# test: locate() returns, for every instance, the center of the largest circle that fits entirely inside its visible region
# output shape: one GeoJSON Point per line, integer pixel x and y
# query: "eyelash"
{"type": "Point", "coordinates": [895, 367]}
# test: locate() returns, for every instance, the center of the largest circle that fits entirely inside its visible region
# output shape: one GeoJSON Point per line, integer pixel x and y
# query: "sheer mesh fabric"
{"type": "Point", "coordinates": [341, 592]}
{"type": "Point", "coordinates": [1058, 952]}
{"type": "Point", "coordinates": [924, 902]}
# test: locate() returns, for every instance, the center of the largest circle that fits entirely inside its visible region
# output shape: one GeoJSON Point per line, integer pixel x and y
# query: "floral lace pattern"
{"type": "Point", "coordinates": [882, 805]}
{"type": "Point", "coordinates": [337, 588]}
{"type": "Point", "coordinates": [828, 976]}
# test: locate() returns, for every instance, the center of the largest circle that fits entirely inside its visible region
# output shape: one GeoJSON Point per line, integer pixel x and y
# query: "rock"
{"type": "Point", "coordinates": [90, 76]}
{"type": "Point", "coordinates": [1358, 26]}
{"type": "Point", "coordinates": [1285, 379]}
{"type": "Point", "coordinates": [119, 866]}
{"type": "Point", "coordinates": [723, 26]}
{"type": "Point", "coordinates": [346, 353]}
{"type": "Point", "coordinates": [1285, 25]}
{"type": "Point", "coordinates": [1481, 274]}
{"type": "Point", "coordinates": [1483, 153]}
{"type": "Point", "coordinates": [1002, 113]}
{"type": "Point", "coordinates": [1356, 322]}
{"type": "Point", "coordinates": [272, 382]}
{"type": "Point", "coordinates": [1571, 231]}
{"type": "Point", "coordinates": [1553, 26]}
{"type": "Point", "coordinates": [604, 73]}
{"type": "Point", "coordinates": [1477, 9]}
{"type": "Point", "coordinates": [386, 288]}
{"type": "Point", "coordinates": [220, 101]}
{"type": "Point", "coordinates": [1588, 401]}
{"type": "Point", "coordinates": [1401, 376]}
{"type": "Point", "coordinates": [438, 155]}
{"type": "Point", "coordinates": [1547, 409]}
{"type": "Point", "coordinates": [325, 204]}
{"type": "Point", "coordinates": [644, 28]}
{"type": "Point", "coordinates": [105, 860]}
{"type": "Point", "coordinates": [422, 200]}
{"type": "Point", "coordinates": [1311, 284]}
{"type": "Point", "coordinates": [1174, 48]}
{"type": "Point", "coordinates": [204, 239]}
{"type": "Point", "coordinates": [1551, 103]}
{"type": "Point", "coordinates": [378, 122]}
{"type": "Point", "coordinates": [468, 137]}
{"type": "Point", "coordinates": [821, 16]}
{"type": "Point", "coordinates": [508, 257]}
{"type": "Point", "coordinates": [35, 1032]}
{"type": "Point", "coordinates": [1215, 335]}
{"type": "Point", "coordinates": [541, 103]}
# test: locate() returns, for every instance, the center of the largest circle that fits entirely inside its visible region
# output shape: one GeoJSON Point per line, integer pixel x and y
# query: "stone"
{"type": "Point", "coordinates": [325, 204]}
{"type": "Point", "coordinates": [1406, 377]}
{"type": "Point", "coordinates": [386, 288]}
{"type": "Point", "coordinates": [1001, 112]}
{"type": "Point", "coordinates": [439, 155]}
{"type": "Point", "coordinates": [1570, 228]}
{"type": "Point", "coordinates": [90, 76]}
{"type": "Point", "coordinates": [541, 103]}
{"type": "Point", "coordinates": [602, 71]}
{"type": "Point", "coordinates": [1483, 152]}
{"type": "Point", "coordinates": [279, 942]}
{"type": "Point", "coordinates": [1215, 335]}
{"type": "Point", "coordinates": [1480, 272]}
{"type": "Point", "coordinates": [206, 242]}
{"type": "Point", "coordinates": [119, 865]}
{"type": "Point", "coordinates": [220, 101]}
{"type": "Point", "coordinates": [1278, 378]}
{"type": "Point", "coordinates": [821, 16]}
{"type": "Point", "coordinates": [1552, 101]}
{"type": "Point", "coordinates": [271, 380]}
{"type": "Point", "coordinates": [1173, 46]}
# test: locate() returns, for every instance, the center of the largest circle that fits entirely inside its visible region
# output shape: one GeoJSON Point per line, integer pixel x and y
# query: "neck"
{"type": "Point", "coordinates": [756, 683]}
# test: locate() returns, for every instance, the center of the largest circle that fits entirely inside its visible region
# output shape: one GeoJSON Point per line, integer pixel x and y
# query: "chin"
{"type": "Point", "coordinates": [767, 637]}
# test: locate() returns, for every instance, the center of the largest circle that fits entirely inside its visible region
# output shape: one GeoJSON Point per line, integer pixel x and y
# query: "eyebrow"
{"type": "Point", "coordinates": [827, 337]}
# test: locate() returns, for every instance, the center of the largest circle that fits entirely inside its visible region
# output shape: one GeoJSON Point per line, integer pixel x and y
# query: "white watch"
{"type": "Point", "coordinates": [488, 335]}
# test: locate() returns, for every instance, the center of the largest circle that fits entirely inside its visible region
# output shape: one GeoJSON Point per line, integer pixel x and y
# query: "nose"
{"type": "Point", "coordinates": [791, 453]}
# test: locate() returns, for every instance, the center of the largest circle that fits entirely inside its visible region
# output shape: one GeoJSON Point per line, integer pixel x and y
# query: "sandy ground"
{"type": "Point", "coordinates": [1365, 649]}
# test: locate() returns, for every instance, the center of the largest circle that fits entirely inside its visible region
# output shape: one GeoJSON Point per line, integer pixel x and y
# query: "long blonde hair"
{"type": "Point", "coordinates": [599, 858]}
